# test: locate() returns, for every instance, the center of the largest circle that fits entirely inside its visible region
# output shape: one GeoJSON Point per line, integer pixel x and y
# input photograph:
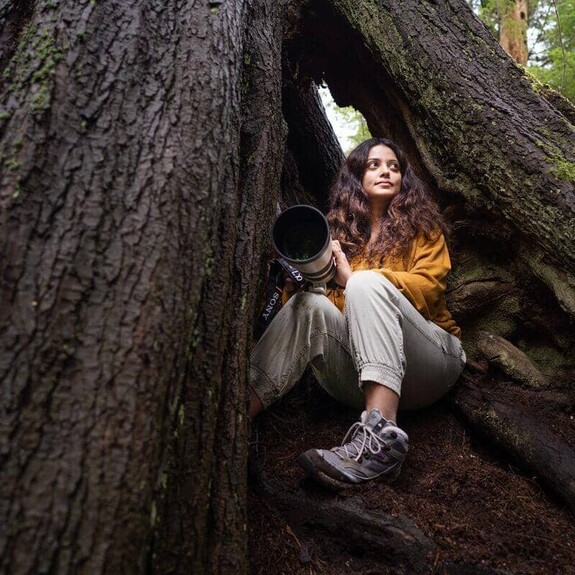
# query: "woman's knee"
{"type": "Point", "coordinates": [307, 304]}
{"type": "Point", "coordinates": [363, 283]}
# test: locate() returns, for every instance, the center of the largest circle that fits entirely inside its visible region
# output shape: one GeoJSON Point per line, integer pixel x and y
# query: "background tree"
{"type": "Point", "coordinates": [513, 18]}
{"type": "Point", "coordinates": [539, 34]}
{"type": "Point", "coordinates": [508, 19]}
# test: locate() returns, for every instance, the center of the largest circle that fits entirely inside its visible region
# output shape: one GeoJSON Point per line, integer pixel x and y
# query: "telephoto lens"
{"type": "Point", "coordinates": [301, 236]}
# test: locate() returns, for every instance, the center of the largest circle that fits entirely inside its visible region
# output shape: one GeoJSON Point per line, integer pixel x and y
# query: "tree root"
{"type": "Point", "coordinates": [510, 360]}
{"type": "Point", "coordinates": [527, 439]}
{"type": "Point", "coordinates": [344, 529]}
{"type": "Point", "coordinates": [351, 525]}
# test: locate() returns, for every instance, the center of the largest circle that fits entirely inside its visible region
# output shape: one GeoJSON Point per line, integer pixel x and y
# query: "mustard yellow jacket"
{"type": "Point", "coordinates": [420, 276]}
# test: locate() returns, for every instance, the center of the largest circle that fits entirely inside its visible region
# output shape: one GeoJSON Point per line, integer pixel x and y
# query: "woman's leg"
{"type": "Point", "coordinates": [380, 397]}
{"type": "Point", "coordinates": [398, 354]}
{"type": "Point", "coordinates": [308, 330]}
{"type": "Point", "coordinates": [395, 346]}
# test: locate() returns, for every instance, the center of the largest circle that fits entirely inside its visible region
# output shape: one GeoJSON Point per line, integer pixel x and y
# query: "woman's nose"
{"type": "Point", "coordinates": [384, 169]}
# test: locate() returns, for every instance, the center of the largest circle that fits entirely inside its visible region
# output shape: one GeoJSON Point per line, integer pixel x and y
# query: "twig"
{"type": "Point", "coordinates": [290, 532]}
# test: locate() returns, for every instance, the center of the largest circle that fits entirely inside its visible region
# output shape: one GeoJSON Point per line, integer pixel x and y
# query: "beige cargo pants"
{"type": "Point", "coordinates": [381, 337]}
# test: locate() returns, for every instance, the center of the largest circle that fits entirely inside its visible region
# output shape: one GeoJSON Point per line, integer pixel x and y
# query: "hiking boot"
{"type": "Point", "coordinates": [377, 449]}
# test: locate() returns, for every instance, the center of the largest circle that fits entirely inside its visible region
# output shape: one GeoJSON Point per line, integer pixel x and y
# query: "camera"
{"type": "Point", "coordinates": [301, 236]}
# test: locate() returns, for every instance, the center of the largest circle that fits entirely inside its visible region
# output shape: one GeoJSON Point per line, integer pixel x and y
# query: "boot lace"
{"type": "Point", "coordinates": [362, 439]}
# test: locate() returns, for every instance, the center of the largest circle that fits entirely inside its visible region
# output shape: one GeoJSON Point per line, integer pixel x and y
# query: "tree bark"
{"type": "Point", "coordinates": [203, 520]}
{"type": "Point", "coordinates": [129, 254]}
{"type": "Point", "coordinates": [311, 140]}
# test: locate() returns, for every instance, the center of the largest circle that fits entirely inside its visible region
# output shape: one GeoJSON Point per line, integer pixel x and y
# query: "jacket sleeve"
{"type": "Point", "coordinates": [424, 284]}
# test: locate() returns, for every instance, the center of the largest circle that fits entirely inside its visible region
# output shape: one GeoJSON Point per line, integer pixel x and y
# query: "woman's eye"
{"type": "Point", "coordinates": [393, 166]}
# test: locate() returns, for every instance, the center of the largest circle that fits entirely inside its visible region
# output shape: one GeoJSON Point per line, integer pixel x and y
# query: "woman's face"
{"type": "Point", "coordinates": [382, 178]}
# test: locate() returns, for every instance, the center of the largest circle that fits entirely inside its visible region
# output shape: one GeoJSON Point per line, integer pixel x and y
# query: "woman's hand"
{"type": "Point", "coordinates": [290, 286]}
{"type": "Point", "coordinates": [343, 269]}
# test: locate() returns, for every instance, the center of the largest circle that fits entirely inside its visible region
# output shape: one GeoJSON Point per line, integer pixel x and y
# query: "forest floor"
{"type": "Point", "coordinates": [482, 514]}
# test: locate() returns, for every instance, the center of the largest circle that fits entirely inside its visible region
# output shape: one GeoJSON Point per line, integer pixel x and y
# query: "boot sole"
{"type": "Point", "coordinates": [311, 462]}
{"type": "Point", "coordinates": [307, 463]}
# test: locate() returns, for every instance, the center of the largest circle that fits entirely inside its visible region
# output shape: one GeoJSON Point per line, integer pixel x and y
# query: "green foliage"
{"type": "Point", "coordinates": [349, 125]}
{"type": "Point", "coordinates": [357, 122]}
{"type": "Point", "coordinates": [554, 64]}
{"type": "Point", "coordinates": [559, 73]}
{"type": "Point", "coordinates": [551, 38]}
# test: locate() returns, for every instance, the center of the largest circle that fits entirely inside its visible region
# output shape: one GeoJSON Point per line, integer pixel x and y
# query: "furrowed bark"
{"type": "Point", "coordinates": [208, 462]}
{"type": "Point", "coordinates": [121, 212]}
{"type": "Point", "coordinates": [311, 138]}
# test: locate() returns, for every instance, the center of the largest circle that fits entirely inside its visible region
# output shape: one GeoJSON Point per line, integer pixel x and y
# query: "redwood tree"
{"type": "Point", "coordinates": [513, 18]}
{"type": "Point", "coordinates": [132, 184]}
{"type": "Point", "coordinates": [145, 147]}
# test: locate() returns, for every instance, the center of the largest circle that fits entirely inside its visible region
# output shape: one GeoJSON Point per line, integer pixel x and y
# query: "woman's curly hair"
{"type": "Point", "coordinates": [411, 212]}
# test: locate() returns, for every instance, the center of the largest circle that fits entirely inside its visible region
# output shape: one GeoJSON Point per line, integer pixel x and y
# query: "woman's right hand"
{"type": "Point", "coordinates": [343, 269]}
{"type": "Point", "coordinates": [289, 286]}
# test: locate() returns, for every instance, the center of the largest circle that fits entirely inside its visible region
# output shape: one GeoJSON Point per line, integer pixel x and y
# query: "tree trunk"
{"type": "Point", "coordinates": [311, 142]}
{"type": "Point", "coordinates": [143, 146]}
{"type": "Point", "coordinates": [131, 183]}
{"type": "Point", "coordinates": [203, 518]}
{"type": "Point", "coordinates": [513, 18]}
{"type": "Point", "coordinates": [422, 74]}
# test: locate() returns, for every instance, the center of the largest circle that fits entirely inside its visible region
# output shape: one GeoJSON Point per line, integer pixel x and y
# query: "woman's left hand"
{"type": "Point", "coordinates": [343, 269]}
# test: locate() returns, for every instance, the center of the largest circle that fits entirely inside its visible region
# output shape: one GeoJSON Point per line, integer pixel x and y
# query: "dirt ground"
{"type": "Point", "coordinates": [477, 508]}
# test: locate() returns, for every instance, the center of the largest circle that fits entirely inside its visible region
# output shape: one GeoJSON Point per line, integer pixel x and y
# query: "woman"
{"type": "Point", "coordinates": [389, 341]}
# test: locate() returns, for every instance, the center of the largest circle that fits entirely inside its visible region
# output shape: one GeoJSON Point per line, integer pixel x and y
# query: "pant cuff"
{"type": "Point", "coordinates": [381, 374]}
